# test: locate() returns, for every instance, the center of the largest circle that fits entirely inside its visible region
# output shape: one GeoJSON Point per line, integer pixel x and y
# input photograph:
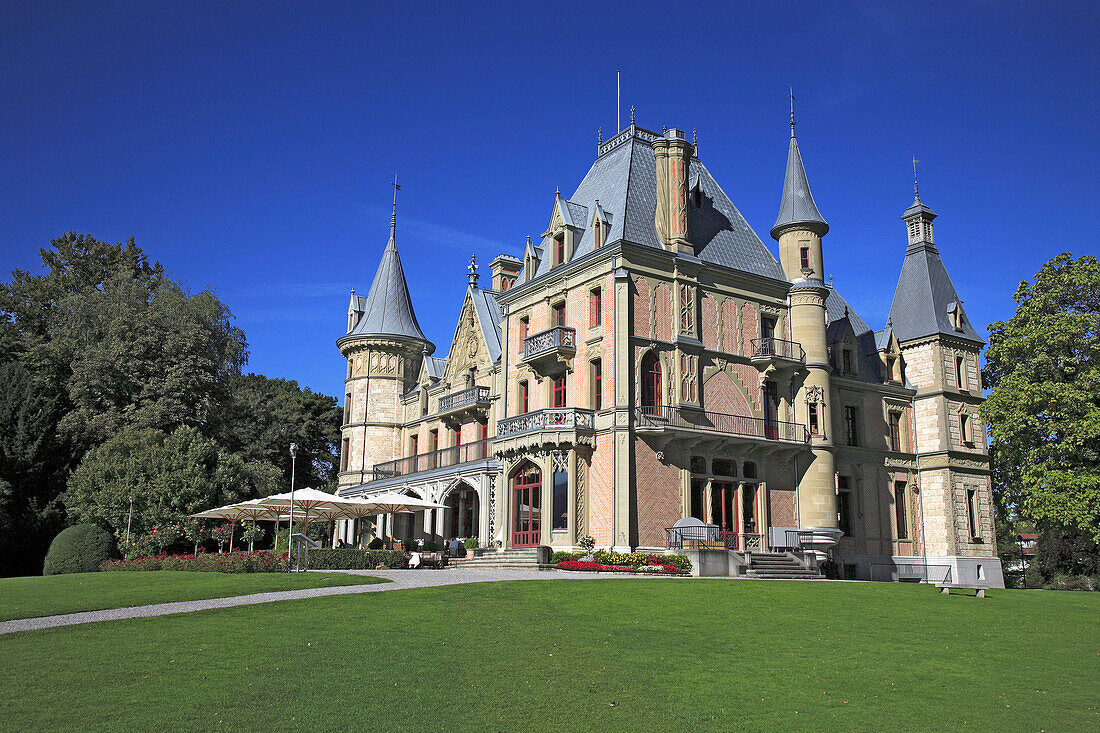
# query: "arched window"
{"type": "Point", "coordinates": [526, 503]}
{"type": "Point", "coordinates": [651, 380]}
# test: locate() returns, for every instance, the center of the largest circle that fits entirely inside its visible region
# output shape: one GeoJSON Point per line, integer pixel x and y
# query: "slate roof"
{"type": "Point", "coordinates": [489, 317]}
{"type": "Point", "coordinates": [925, 297]}
{"type": "Point", "coordinates": [624, 179]}
{"type": "Point", "coordinates": [387, 309]}
{"type": "Point", "coordinates": [841, 316]}
{"type": "Point", "coordinates": [797, 205]}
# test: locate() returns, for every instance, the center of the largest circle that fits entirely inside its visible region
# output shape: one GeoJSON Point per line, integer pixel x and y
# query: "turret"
{"type": "Point", "coordinates": [799, 229]}
{"type": "Point", "coordinates": [384, 347]}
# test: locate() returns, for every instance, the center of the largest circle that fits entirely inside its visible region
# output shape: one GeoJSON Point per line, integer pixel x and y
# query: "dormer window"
{"type": "Point", "coordinates": [954, 312]}
{"type": "Point", "coordinates": [698, 195]}
{"type": "Point", "coordinates": [559, 249]}
{"type": "Point", "coordinates": [847, 360]}
{"type": "Point", "coordinates": [597, 234]}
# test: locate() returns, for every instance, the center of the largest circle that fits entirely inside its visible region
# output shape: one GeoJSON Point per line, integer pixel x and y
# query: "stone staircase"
{"type": "Point", "coordinates": [779, 566]}
{"type": "Point", "coordinates": [510, 559]}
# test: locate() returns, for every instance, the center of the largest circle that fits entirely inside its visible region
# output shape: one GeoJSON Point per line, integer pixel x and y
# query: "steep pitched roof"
{"type": "Point", "coordinates": [489, 317]}
{"type": "Point", "coordinates": [624, 179]}
{"type": "Point", "coordinates": [925, 298]}
{"type": "Point", "coordinates": [387, 310]}
{"type": "Point", "coordinates": [797, 205]}
{"type": "Point", "coordinates": [841, 317]}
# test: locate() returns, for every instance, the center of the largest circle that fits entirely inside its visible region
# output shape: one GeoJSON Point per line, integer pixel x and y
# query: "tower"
{"type": "Point", "coordinates": [940, 350]}
{"type": "Point", "coordinates": [384, 347]}
{"type": "Point", "coordinates": [799, 229]}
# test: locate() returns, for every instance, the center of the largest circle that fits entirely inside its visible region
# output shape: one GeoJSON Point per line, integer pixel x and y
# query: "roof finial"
{"type": "Point", "coordinates": [792, 110]}
{"type": "Point", "coordinates": [916, 190]}
{"type": "Point", "coordinates": [694, 137]}
{"type": "Point", "coordinates": [557, 190]}
{"type": "Point", "coordinates": [632, 115]}
{"type": "Point", "coordinates": [599, 136]}
{"type": "Point", "coordinates": [393, 216]}
{"type": "Point", "coordinates": [472, 267]}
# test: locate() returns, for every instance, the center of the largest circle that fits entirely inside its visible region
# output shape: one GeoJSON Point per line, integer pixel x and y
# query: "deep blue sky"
{"type": "Point", "coordinates": [250, 146]}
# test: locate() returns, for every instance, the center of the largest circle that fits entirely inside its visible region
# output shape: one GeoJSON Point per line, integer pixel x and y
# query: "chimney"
{"type": "Point", "coordinates": [673, 152]}
{"type": "Point", "coordinates": [505, 269]}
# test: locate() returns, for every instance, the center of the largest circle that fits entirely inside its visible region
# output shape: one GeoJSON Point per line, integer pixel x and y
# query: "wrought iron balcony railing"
{"type": "Point", "coordinates": [454, 456]}
{"type": "Point", "coordinates": [475, 395]}
{"type": "Point", "coordinates": [717, 422]}
{"type": "Point", "coordinates": [556, 339]}
{"type": "Point", "coordinates": [554, 418]}
{"type": "Point", "coordinates": [711, 537]}
{"type": "Point", "coordinates": [778, 348]}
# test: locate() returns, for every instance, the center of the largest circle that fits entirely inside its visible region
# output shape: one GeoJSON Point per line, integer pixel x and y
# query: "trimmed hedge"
{"type": "Point", "coordinates": [81, 548]}
{"type": "Point", "coordinates": [345, 559]}
{"type": "Point", "coordinates": [229, 562]}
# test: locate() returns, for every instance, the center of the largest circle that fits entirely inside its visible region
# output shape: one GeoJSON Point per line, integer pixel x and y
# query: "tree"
{"type": "Point", "coordinates": [1043, 366]}
{"type": "Point", "coordinates": [264, 416]}
{"type": "Point", "coordinates": [168, 476]}
{"type": "Point", "coordinates": [34, 463]}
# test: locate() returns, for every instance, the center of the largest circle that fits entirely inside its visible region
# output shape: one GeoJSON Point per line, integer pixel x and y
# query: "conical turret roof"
{"type": "Point", "coordinates": [797, 206]}
{"type": "Point", "coordinates": [387, 310]}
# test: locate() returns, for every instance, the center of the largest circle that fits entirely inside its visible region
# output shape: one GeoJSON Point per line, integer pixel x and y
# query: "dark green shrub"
{"type": "Point", "coordinates": [429, 546]}
{"type": "Point", "coordinates": [409, 545]}
{"type": "Point", "coordinates": [376, 544]}
{"type": "Point", "coordinates": [79, 549]}
{"type": "Point", "coordinates": [343, 559]}
{"type": "Point", "coordinates": [563, 555]}
{"type": "Point", "coordinates": [471, 544]}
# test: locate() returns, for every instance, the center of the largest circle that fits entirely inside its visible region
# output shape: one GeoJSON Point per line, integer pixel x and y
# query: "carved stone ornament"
{"type": "Point", "coordinates": [815, 395]}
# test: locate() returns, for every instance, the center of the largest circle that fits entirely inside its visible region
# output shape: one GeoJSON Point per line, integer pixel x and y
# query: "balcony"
{"type": "Point", "coordinates": [777, 351]}
{"type": "Point", "coordinates": [453, 456]}
{"type": "Point", "coordinates": [549, 428]}
{"type": "Point", "coordinates": [548, 352]}
{"type": "Point", "coordinates": [457, 406]}
{"type": "Point", "coordinates": [668, 423]}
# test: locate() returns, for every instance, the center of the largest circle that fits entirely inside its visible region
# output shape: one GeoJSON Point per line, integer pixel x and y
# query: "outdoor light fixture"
{"type": "Point", "coordinates": [290, 531]}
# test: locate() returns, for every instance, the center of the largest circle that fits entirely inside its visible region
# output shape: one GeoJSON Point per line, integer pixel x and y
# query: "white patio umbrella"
{"type": "Point", "coordinates": [393, 503]}
{"type": "Point", "coordinates": [314, 504]}
{"type": "Point", "coordinates": [250, 509]}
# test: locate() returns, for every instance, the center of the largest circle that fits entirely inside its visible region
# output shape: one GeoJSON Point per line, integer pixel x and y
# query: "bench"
{"type": "Point", "coordinates": [945, 588]}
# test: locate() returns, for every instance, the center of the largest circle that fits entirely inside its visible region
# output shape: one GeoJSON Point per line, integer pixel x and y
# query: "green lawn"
{"type": "Point", "coordinates": [53, 594]}
{"type": "Point", "coordinates": [568, 655]}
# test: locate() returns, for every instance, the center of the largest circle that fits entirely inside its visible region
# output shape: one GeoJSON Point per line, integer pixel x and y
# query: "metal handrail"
{"type": "Point", "coordinates": [717, 422]}
{"type": "Point", "coordinates": [552, 339]}
{"type": "Point", "coordinates": [780, 348]}
{"type": "Point", "coordinates": [453, 456]}
{"type": "Point", "coordinates": [552, 418]}
{"type": "Point", "coordinates": [469, 396]}
{"type": "Point", "coordinates": [711, 537]}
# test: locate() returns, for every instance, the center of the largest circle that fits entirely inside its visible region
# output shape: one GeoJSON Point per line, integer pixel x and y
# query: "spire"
{"type": "Point", "coordinates": [472, 271]}
{"type": "Point", "coordinates": [797, 205]}
{"type": "Point", "coordinates": [387, 309]}
{"type": "Point", "coordinates": [918, 217]}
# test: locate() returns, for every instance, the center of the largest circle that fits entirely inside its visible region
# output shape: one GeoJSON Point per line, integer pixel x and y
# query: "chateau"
{"type": "Point", "coordinates": [650, 360]}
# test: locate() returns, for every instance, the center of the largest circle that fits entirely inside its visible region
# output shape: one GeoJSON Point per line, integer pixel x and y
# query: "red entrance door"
{"type": "Point", "coordinates": [526, 516]}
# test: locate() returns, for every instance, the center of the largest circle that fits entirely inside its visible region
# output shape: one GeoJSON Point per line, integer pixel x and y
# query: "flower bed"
{"type": "Point", "coordinates": [231, 562]}
{"type": "Point", "coordinates": [597, 567]}
{"type": "Point", "coordinates": [607, 558]}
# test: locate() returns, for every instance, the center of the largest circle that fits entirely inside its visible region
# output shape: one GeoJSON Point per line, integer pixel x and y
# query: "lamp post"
{"type": "Point", "coordinates": [129, 517]}
{"type": "Point", "coordinates": [290, 532]}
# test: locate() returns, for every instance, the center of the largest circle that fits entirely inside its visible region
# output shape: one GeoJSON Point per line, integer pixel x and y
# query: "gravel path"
{"type": "Point", "coordinates": [400, 579]}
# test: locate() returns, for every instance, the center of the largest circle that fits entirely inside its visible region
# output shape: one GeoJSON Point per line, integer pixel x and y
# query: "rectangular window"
{"type": "Point", "coordinates": [456, 436]}
{"type": "Point", "coordinates": [972, 513]}
{"type": "Point", "coordinates": [895, 431]}
{"type": "Point", "coordinates": [598, 232]}
{"type": "Point", "coordinates": [559, 314]}
{"type": "Point", "coordinates": [698, 489]}
{"type": "Point", "coordinates": [767, 328]}
{"type": "Point", "coordinates": [844, 505]}
{"type": "Point", "coordinates": [559, 390]}
{"type": "Point", "coordinates": [524, 398]}
{"type": "Point", "coordinates": [483, 430]}
{"type": "Point", "coordinates": [901, 516]}
{"type": "Point", "coordinates": [344, 454]}
{"type": "Point", "coordinates": [815, 427]}
{"type": "Point", "coordinates": [559, 249]}
{"type": "Point", "coordinates": [851, 424]}
{"type": "Point", "coordinates": [561, 500]}
{"type": "Point", "coordinates": [597, 384]}
{"type": "Point", "coordinates": [847, 353]}
{"type": "Point", "coordinates": [524, 325]}
{"type": "Point", "coordinates": [347, 408]}
{"type": "Point", "coordinates": [723, 467]}
{"type": "Point", "coordinates": [433, 441]}
{"type": "Point", "coordinates": [804, 256]}
{"type": "Point", "coordinates": [964, 428]}
{"type": "Point", "coordinates": [595, 308]}
{"type": "Point", "coordinates": [698, 464]}
{"type": "Point", "coordinates": [960, 372]}
{"type": "Point", "coordinates": [414, 445]}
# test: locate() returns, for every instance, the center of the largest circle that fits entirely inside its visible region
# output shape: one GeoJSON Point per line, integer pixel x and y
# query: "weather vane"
{"type": "Point", "coordinates": [916, 191]}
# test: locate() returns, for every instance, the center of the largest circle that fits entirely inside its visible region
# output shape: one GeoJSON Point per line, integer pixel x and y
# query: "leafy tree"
{"type": "Point", "coordinates": [33, 467]}
{"type": "Point", "coordinates": [1043, 366]}
{"type": "Point", "coordinates": [264, 416]}
{"type": "Point", "coordinates": [168, 476]}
